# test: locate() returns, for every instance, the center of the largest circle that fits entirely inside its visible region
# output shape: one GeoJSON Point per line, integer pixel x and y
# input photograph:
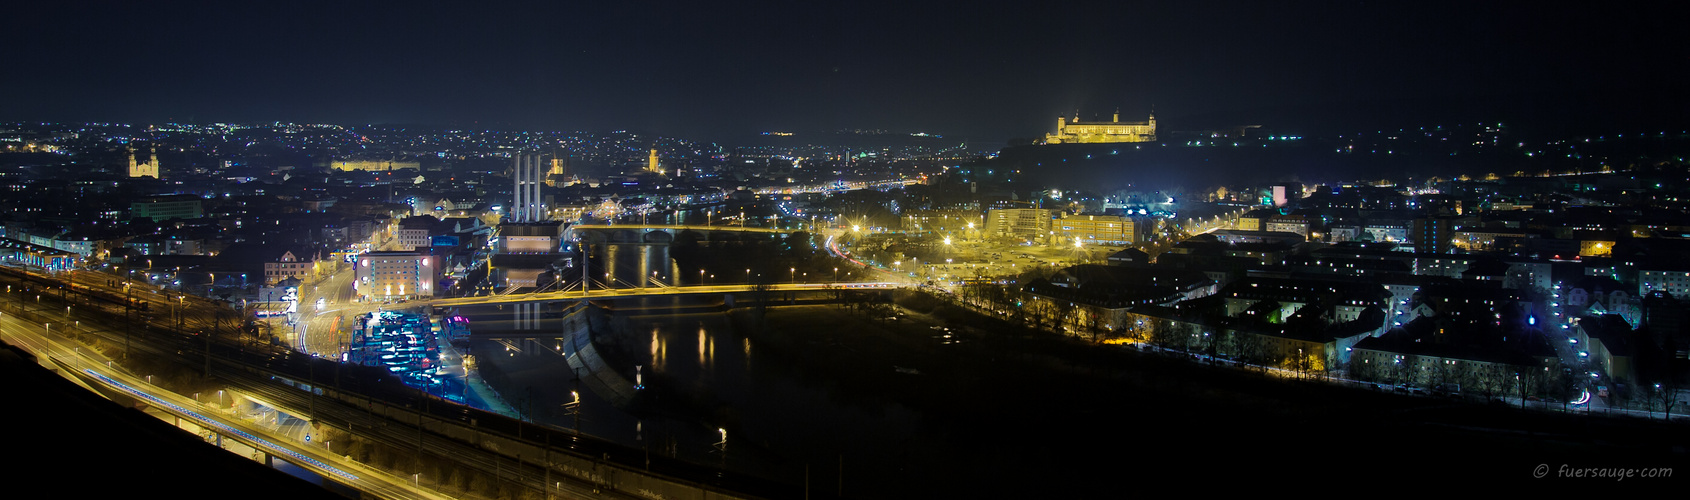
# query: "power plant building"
{"type": "Point", "coordinates": [526, 204]}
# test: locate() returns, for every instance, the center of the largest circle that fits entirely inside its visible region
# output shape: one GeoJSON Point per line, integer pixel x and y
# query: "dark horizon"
{"type": "Point", "coordinates": [980, 71]}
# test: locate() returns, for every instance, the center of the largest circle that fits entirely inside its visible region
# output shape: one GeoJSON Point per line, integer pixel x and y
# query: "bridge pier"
{"type": "Point", "coordinates": [645, 266]}
{"type": "Point", "coordinates": [608, 241]}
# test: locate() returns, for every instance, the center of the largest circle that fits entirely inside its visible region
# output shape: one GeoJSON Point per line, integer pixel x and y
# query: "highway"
{"type": "Point", "coordinates": [38, 340]}
{"type": "Point", "coordinates": [362, 401]}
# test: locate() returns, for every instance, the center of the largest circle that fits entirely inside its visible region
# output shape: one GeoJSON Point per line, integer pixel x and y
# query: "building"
{"type": "Point", "coordinates": [1076, 131]}
{"type": "Point", "coordinates": [159, 245]}
{"type": "Point", "coordinates": [416, 232]}
{"type": "Point", "coordinates": [1296, 224]}
{"type": "Point", "coordinates": [524, 252]}
{"type": "Point", "coordinates": [292, 266]}
{"type": "Point", "coordinates": [526, 204]}
{"type": "Point", "coordinates": [1415, 357]}
{"type": "Point", "coordinates": [1342, 232]}
{"type": "Point", "coordinates": [1483, 239]}
{"type": "Point", "coordinates": [530, 238]}
{"type": "Point", "coordinates": [167, 207]}
{"type": "Point", "coordinates": [148, 169]}
{"type": "Point", "coordinates": [1434, 234]}
{"type": "Point", "coordinates": [393, 275]}
{"type": "Point", "coordinates": [1099, 297]}
{"type": "Point", "coordinates": [24, 254]}
{"type": "Point", "coordinates": [1392, 231]}
{"type": "Point", "coordinates": [949, 221]}
{"type": "Point", "coordinates": [1097, 229]}
{"type": "Point", "coordinates": [1234, 236]}
{"type": "Point", "coordinates": [1284, 194]}
{"type": "Point", "coordinates": [1606, 340]}
{"type": "Point", "coordinates": [1339, 300]}
{"type": "Point", "coordinates": [1671, 278]}
{"type": "Point", "coordinates": [375, 165]}
{"type": "Point", "coordinates": [1026, 223]}
{"type": "Point", "coordinates": [558, 173]}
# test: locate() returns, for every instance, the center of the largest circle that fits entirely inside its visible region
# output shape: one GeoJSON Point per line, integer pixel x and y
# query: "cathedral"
{"type": "Point", "coordinates": [148, 169]}
{"type": "Point", "coordinates": [1076, 131]}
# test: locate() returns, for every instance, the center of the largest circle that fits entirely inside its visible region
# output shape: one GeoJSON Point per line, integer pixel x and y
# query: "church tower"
{"type": "Point", "coordinates": [148, 169]}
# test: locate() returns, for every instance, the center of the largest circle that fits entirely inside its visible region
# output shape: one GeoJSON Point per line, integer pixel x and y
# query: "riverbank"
{"type": "Point", "coordinates": [997, 408]}
{"type": "Point", "coordinates": [876, 401]}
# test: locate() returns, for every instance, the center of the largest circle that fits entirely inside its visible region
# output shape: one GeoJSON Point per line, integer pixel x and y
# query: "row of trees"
{"type": "Point", "coordinates": [1474, 377]}
{"type": "Point", "coordinates": [1024, 308]}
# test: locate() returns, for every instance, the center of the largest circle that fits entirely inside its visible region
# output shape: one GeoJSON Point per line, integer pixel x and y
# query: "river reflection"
{"type": "Point", "coordinates": [777, 419]}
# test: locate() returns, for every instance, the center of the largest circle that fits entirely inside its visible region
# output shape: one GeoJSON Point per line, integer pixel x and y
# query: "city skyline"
{"type": "Point", "coordinates": [988, 72]}
{"type": "Point", "coordinates": [955, 250]}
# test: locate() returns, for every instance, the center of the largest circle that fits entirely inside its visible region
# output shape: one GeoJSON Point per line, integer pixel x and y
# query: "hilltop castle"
{"type": "Point", "coordinates": [1076, 131]}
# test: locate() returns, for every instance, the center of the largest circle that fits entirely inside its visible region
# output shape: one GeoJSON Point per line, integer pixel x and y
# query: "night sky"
{"type": "Point", "coordinates": [988, 70]}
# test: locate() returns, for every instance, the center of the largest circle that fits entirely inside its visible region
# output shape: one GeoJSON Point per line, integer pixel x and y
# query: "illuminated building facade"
{"type": "Point", "coordinates": [559, 170]}
{"type": "Point", "coordinates": [290, 266]}
{"type": "Point", "coordinates": [394, 275]}
{"type": "Point", "coordinates": [1076, 131]}
{"type": "Point", "coordinates": [1675, 282]}
{"type": "Point", "coordinates": [375, 165]}
{"type": "Point", "coordinates": [1026, 223]}
{"type": "Point", "coordinates": [415, 232]}
{"type": "Point", "coordinates": [19, 253]}
{"type": "Point", "coordinates": [1097, 229]}
{"type": "Point", "coordinates": [148, 169]}
{"type": "Point", "coordinates": [530, 238]}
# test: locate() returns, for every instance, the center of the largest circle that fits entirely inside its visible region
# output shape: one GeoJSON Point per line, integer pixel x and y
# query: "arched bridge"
{"type": "Point", "coordinates": [641, 233]}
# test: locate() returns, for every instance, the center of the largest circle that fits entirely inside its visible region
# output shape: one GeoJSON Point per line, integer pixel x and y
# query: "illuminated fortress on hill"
{"type": "Point", "coordinates": [1076, 131]}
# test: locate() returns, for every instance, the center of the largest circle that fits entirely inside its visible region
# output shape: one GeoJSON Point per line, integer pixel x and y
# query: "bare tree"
{"type": "Point", "coordinates": [1664, 395]}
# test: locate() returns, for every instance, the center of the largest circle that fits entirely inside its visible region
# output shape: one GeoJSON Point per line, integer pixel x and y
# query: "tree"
{"type": "Point", "coordinates": [1163, 334]}
{"type": "Point", "coordinates": [1095, 326]}
{"type": "Point", "coordinates": [1065, 316]}
{"type": "Point", "coordinates": [1248, 347]}
{"type": "Point", "coordinates": [1210, 343]}
{"type": "Point", "coordinates": [1664, 395]}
